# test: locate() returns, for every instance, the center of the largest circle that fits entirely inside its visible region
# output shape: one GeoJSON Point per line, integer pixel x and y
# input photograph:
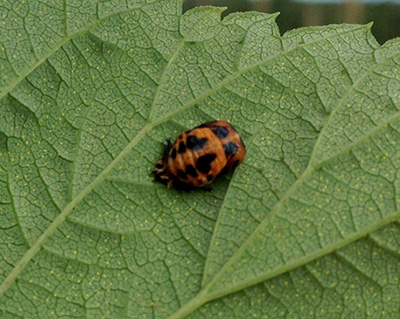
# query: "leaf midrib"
{"type": "Point", "coordinates": [32, 251]}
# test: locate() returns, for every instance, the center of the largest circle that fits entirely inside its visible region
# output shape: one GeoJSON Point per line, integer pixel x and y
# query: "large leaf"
{"type": "Point", "coordinates": [306, 227]}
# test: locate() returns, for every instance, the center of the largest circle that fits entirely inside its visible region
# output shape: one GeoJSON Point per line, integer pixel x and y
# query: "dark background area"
{"type": "Point", "coordinates": [302, 13]}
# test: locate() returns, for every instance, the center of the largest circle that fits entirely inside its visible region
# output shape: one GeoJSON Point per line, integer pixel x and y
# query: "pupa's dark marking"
{"type": "Point", "coordinates": [159, 165]}
{"type": "Point", "coordinates": [160, 177]}
{"type": "Point", "coordinates": [210, 177]}
{"type": "Point", "coordinates": [195, 143]}
{"type": "Point", "coordinates": [230, 149]}
{"type": "Point", "coordinates": [181, 174]}
{"type": "Point", "coordinates": [191, 171]}
{"type": "Point", "coordinates": [167, 148]}
{"type": "Point", "coordinates": [204, 162]}
{"type": "Point", "coordinates": [236, 164]}
{"type": "Point", "coordinates": [182, 186]}
{"type": "Point", "coordinates": [173, 153]}
{"type": "Point", "coordinates": [182, 148]}
{"type": "Point", "coordinates": [224, 171]}
{"type": "Point", "coordinates": [220, 131]}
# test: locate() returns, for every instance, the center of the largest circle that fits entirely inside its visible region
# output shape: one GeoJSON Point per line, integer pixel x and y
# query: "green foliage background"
{"type": "Point", "coordinates": [306, 227]}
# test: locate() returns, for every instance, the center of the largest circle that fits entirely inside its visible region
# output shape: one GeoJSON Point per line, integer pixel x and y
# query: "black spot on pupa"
{"type": "Point", "coordinates": [195, 143]}
{"type": "Point", "coordinates": [182, 186]}
{"type": "Point", "coordinates": [204, 162]}
{"type": "Point", "coordinates": [221, 131]}
{"type": "Point", "coordinates": [181, 174]}
{"type": "Point", "coordinates": [230, 149]}
{"type": "Point", "coordinates": [210, 178]}
{"type": "Point", "coordinates": [161, 178]}
{"type": "Point", "coordinates": [191, 171]}
{"type": "Point", "coordinates": [182, 148]}
{"type": "Point", "coordinates": [167, 148]}
{"type": "Point", "coordinates": [159, 165]}
{"type": "Point", "coordinates": [173, 153]}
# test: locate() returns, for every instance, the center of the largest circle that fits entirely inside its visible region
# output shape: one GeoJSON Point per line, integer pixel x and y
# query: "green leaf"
{"type": "Point", "coordinates": [306, 227]}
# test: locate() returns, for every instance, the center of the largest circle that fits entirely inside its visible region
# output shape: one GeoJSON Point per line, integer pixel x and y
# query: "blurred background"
{"type": "Point", "coordinates": [301, 13]}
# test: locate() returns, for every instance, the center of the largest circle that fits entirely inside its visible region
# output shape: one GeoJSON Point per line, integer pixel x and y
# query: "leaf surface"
{"type": "Point", "coordinates": [305, 227]}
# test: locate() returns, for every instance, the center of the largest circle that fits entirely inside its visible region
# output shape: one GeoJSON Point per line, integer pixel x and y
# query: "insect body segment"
{"type": "Point", "coordinates": [199, 155]}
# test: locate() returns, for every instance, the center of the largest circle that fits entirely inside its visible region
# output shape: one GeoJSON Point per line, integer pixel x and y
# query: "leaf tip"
{"type": "Point", "coordinates": [276, 14]}
{"type": "Point", "coordinates": [369, 25]}
{"type": "Point", "coordinates": [220, 9]}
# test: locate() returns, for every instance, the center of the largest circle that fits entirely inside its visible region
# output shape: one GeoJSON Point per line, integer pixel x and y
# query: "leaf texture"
{"type": "Point", "coordinates": [306, 227]}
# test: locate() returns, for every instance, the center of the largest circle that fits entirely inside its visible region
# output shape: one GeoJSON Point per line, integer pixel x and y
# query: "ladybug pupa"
{"type": "Point", "coordinates": [199, 155]}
